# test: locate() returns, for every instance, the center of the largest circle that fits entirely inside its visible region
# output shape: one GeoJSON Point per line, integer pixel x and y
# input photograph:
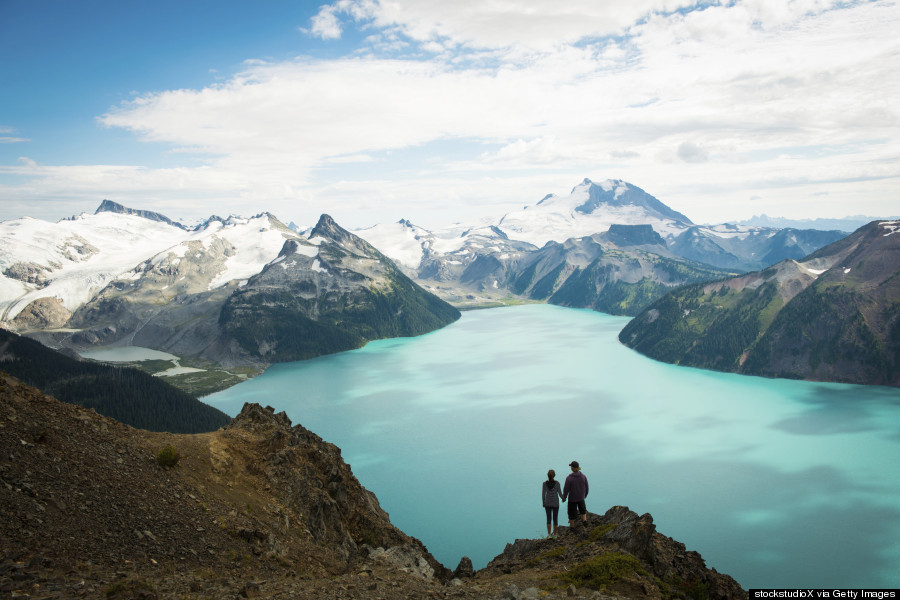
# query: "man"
{"type": "Point", "coordinates": [576, 490]}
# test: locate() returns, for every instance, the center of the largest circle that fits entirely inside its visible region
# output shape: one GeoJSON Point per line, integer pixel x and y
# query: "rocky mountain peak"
{"type": "Point", "coordinates": [291, 246]}
{"type": "Point", "coordinates": [617, 193]}
{"type": "Point", "coordinates": [328, 228]}
{"type": "Point", "coordinates": [634, 235]}
{"type": "Point", "coordinates": [115, 207]}
{"type": "Point", "coordinates": [647, 563]}
{"type": "Point", "coordinates": [254, 417]}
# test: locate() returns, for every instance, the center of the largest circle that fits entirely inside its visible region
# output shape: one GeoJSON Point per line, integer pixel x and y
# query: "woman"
{"type": "Point", "coordinates": [550, 495]}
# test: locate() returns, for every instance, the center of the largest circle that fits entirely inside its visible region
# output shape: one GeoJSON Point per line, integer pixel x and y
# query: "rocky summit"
{"type": "Point", "coordinates": [265, 509]}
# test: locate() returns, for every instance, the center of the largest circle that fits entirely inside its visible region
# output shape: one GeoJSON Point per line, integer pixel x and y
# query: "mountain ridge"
{"type": "Point", "coordinates": [834, 316]}
{"type": "Point", "coordinates": [478, 265]}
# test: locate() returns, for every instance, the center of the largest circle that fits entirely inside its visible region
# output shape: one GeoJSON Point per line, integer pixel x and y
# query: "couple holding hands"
{"type": "Point", "coordinates": [575, 491]}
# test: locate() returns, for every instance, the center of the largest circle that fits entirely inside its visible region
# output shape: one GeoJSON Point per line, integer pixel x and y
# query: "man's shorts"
{"type": "Point", "coordinates": [576, 508]}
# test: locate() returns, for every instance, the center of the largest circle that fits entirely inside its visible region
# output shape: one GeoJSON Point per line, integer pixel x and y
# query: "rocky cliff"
{"type": "Point", "coordinates": [265, 509]}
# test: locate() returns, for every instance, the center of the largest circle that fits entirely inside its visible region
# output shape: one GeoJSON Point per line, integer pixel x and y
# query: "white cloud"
{"type": "Point", "coordinates": [325, 24]}
{"type": "Point", "coordinates": [692, 153]}
{"type": "Point", "coordinates": [8, 139]}
{"type": "Point", "coordinates": [697, 106]}
{"type": "Point", "coordinates": [537, 24]}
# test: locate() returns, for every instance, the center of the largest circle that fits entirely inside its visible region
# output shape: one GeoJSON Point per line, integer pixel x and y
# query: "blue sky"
{"type": "Point", "coordinates": [439, 112]}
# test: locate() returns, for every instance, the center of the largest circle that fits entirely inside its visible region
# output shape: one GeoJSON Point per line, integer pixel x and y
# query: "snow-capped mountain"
{"type": "Point", "coordinates": [591, 208]}
{"type": "Point", "coordinates": [487, 263]}
{"type": "Point", "coordinates": [125, 277]}
{"type": "Point", "coordinates": [441, 255]}
{"type": "Point", "coordinates": [73, 259]}
{"type": "Point", "coordinates": [746, 248]}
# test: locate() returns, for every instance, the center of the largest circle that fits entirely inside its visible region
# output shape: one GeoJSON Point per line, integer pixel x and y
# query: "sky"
{"type": "Point", "coordinates": [443, 112]}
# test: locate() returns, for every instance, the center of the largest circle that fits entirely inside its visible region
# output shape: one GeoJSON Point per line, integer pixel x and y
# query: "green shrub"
{"type": "Point", "coordinates": [692, 588]}
{"type": "Point", "coordinates": [168, 456]}
{"type": "Point", "coordinates": [603, 569]}
{"type": "Point", "coordinates": [596, 534]}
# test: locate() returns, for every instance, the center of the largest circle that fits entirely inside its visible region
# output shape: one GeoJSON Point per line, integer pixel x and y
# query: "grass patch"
{"type": "Point", "coordinates": [168, 457]}
{"type": "Point", "coordinates": [549, 554]}
{"type": "Point", "coordinates": [597, 533]}
{"type": "Point", "coordinates": [604, 569]}
{"type": "Point", "coordinates": [676, 587]}
{"type": "Point", "coordinates": [152, 366]}
{"type": "Point", "coordinates": [203, 383]}
{"type": "Point", "coordinates": [498, 303]}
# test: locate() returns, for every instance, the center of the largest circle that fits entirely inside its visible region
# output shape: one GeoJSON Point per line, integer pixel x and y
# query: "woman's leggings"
{"type": "Point", "coordinates": [552, 513]}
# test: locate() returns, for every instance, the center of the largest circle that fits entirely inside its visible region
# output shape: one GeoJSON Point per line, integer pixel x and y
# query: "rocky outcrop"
{"type": "Point", "coordinates": [317, 486]}
{"type": "Point", "coordinates": [43, 313]}
{"type": "Point", "coordinates": [28, 272]}
{"type": "Point", "coordinates": [115, 207]}
{"type": "Point", "coordinates": [620, 552]}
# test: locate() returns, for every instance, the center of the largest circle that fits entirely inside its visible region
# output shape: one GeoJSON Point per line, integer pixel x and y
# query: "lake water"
{"type": "Point", "coordinates": [114, 354]}
{"type": "Point", "coordinates": [126, 354]}
{"type": "Point", "coordinates": [778, 483]}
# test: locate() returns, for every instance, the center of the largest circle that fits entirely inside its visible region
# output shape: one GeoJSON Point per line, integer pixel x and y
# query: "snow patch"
{"type": "Point", "coordinates": [403, 243]}
{"type": "Point", "coordinates": [305, 250]}
{"type": "Point", "coordinates": [110, 245]}
{"type": "Point", "coordinates": [255, 245]}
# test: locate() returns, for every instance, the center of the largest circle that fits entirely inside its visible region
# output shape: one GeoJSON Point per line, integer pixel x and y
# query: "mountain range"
{"type": "Point", "coordinates": [237, 294]}
{"type": "Point", "coordinates": [597, 228]}
{"type": "Point", "coordinates": [230, 292]}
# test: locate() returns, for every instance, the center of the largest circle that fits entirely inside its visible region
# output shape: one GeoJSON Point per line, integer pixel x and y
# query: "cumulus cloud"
{"type": "Point", "coordinates": [698, 98]}
{"type": "Point", "coordinates": [325, 24]}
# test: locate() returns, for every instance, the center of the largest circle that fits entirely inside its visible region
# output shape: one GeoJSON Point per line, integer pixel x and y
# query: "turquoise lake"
{"type": "Point", "coordinates": [778, 483]}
